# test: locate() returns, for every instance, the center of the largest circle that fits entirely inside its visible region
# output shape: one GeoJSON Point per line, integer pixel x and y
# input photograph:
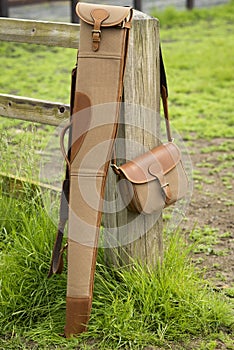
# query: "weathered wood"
{"type": "Point", "coordinates": [33, 110]}
{"type": "Point", "coordinates": [40, 32]}
{"type": "Point", "coordinates": [134, 236]}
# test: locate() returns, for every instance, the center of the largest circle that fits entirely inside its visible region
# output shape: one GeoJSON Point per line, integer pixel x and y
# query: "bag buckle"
{"type": "Point", "coordinates": [96, 31]}
{"type": "Point", "coordinates": [115, 168]}
{"type": "Point", "coordinates": [98, 15]}
{"type": "Point", "coordinates": [165, 185]}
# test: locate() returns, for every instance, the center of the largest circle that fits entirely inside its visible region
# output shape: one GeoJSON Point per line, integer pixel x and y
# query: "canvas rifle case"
{"type": "Point", "coordinates": [97, 85]}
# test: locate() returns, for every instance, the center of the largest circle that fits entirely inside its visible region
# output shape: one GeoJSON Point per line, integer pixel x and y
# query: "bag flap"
{"type": "Point", "coordinates": [153, 164]}
{"type": "Point", "coordinates": [115, 14]}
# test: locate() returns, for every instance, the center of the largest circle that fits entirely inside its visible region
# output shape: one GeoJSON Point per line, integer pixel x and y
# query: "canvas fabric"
{"type": "Point", "coordinates": [98, 91]}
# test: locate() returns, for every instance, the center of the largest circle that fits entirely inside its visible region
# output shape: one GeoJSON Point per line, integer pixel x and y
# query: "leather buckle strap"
{"type": "Point", "coordinates": [98, 15]}
{"type": "Point", "coordinates": [96, 38]}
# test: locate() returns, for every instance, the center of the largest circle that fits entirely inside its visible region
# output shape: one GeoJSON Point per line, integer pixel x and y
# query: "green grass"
{"type": "Point", "coordinates": [132, 307]}
{"type": "Point", "coordinates": [206, 238]}
{"type": "Point", "coordinates": [169, 306]}
{"type": "Point", "coordinates": [197, 49]}
{"type": "Point", "coordinates": [38, 72]}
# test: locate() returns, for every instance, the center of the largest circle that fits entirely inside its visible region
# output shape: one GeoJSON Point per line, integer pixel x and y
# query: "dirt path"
{"type": "Point", "coordinates": [211, 210]}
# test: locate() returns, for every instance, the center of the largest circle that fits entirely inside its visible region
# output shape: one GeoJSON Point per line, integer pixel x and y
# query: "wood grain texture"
{"type": "Point", "coordinates": [40, 32]}
{"type": "Point", "coordinates": [33, 110]}
{"type": "Point", "coordinates": [138, 237]}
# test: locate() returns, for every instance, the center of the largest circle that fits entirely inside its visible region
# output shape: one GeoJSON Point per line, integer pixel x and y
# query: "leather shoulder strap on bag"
{"type": "Point", "coordinates": [164, 95]}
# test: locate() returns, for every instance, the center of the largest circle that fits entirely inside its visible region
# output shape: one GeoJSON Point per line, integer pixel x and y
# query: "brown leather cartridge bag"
{"type": "Point", "coordinates": [157, 178]}
{"type": "Point", "coordinates": [153, 180]}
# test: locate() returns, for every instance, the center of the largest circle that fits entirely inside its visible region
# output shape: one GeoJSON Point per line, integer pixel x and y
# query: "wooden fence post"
{"type": "Point", "coordinates": [127, 235]}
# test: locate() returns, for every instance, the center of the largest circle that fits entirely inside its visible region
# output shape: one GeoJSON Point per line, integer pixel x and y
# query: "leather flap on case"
{"type": "Point", "coordinates": [153, 164]}
{"type": "Point", "coordinates": [116, 15]}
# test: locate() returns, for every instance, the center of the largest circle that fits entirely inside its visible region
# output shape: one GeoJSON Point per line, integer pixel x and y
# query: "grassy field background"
{"type": "Point", "coordinates": [172, 307]}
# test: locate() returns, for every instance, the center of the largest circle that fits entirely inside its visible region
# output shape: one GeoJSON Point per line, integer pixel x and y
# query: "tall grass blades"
{"type": "Point", "coordinates": [133, 307]}
{"type": "Point", "coordinates": [27, 297]}
{"type": "Point", "coordinates": [140, 306]}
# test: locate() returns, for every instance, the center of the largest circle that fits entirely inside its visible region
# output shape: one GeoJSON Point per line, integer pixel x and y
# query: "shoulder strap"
{"type": "Point", "coordinates": [164, 94]}
{"type": "Point", "coordinates": [164, 97]}
{"type": "Point", "coordinates": [56, 265]}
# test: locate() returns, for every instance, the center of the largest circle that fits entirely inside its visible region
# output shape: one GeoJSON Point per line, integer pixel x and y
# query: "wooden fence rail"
{"type": "Point", "coordinates": [43, 33]}
{"type": "Point", "coordinates": [140, 89]}
{"type": "Point", "coordinates": [33, 110]}
{"type": "Point", "coordinates": [40, 32]}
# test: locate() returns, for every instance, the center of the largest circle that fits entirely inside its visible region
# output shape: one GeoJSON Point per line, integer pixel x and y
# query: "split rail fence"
{"type": "Point", "coordinates": [141, 87]}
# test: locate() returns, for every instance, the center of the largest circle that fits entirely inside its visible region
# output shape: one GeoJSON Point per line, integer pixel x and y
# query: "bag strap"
{"type": "Point", "coordinates": [164, 95]}
{"type": "Point", "coordinates": [56, 265]}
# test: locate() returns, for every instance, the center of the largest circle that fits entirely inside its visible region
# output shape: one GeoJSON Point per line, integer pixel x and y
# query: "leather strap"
{"type": "Point", "coordinates": [164, 97]}
{"type": "Point", "coordinates": [57, 256]}
{"type": "Point", "coordinates": [98, 15]}
{"type": "Point", "coordinates": [163, 77]}
{"type": "Point", "coordinates": [56, 265]}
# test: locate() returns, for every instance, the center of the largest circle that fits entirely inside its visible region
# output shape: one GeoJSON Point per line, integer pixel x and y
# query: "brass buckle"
{"type": "Point", "coordinates": [165, 185]}
{"type": "Point", "coordinates": [115, 168]}
{"type": "Point", "coordinates": [96, 31]}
